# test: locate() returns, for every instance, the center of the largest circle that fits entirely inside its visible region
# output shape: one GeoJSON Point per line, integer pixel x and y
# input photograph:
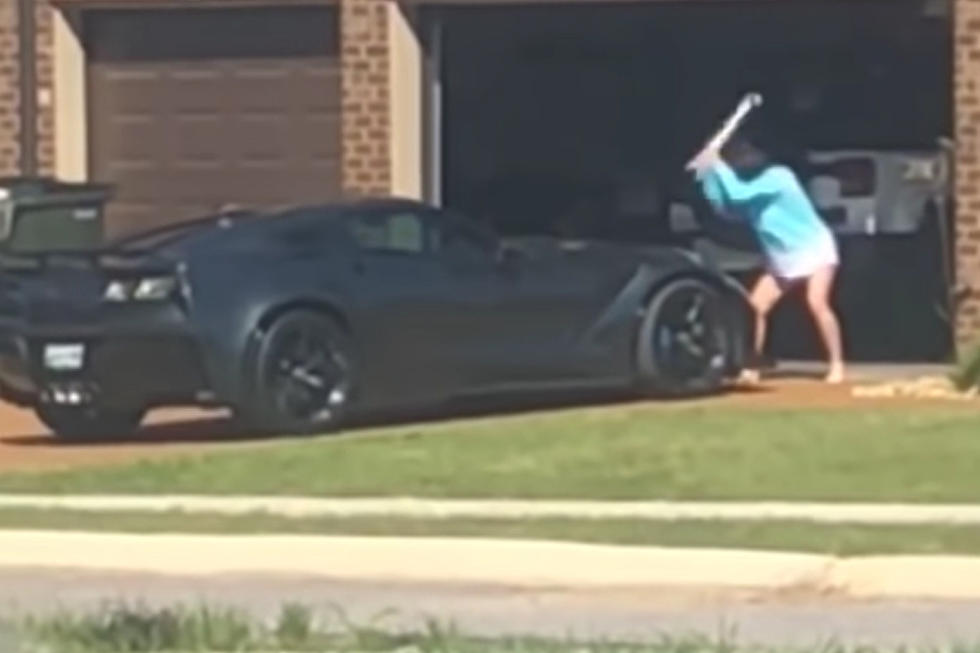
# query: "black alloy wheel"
{"type": "Point", "coordinates": [683, 341]}
{"type": "Point", "coordinates": [303, 374]}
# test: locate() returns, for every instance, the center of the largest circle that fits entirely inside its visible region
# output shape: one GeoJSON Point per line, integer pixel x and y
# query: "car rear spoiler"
{"type": "Point", "coordinates": [108, 260]}
{"type": "Point", "coordinates": [119, 255]}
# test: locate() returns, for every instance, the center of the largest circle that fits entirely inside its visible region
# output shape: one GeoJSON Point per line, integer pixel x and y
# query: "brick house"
{"type": "Point", "coordinates": [191, 103]}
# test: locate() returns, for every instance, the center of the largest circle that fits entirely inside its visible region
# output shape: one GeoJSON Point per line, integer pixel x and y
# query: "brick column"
{"type": "Point", "coordinates": [365, 130]}
{"type": "Point", "coordinates": [9, 95]}
{"type": "Point", "coordinates": [10, 89]}
{"type": "Point", "coordinates": [45, 87]}
{"type": "Point", "coordinates": [967, 185]}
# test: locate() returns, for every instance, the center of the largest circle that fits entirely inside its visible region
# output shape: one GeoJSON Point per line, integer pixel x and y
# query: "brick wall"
{"type": "Point", "coordinates": [967, 118]}
{"type": "Point", "coordinates": [45, 82]}
{"type": "Point", "coordinates": [10, 89]}
{"type": "Point", "coordinates": [365, 121]}
{"type": "Point", "coordinates": [9, 97]}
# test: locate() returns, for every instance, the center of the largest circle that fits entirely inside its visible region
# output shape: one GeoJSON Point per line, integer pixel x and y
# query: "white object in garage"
{"type": "Point", "coordinates": [874, 191]}
{"type": "Point", "coordinates": [825, 191]}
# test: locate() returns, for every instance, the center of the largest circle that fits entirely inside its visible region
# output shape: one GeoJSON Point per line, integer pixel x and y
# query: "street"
{"type": "Point", "coordinates": [495, 611]}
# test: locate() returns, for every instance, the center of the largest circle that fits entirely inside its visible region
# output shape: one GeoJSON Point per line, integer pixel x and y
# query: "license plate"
{"type": "Point", "coordinates": [64, 357]}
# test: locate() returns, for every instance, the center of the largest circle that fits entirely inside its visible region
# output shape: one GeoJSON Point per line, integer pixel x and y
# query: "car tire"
{"type": "Point", "coordinates": [302, 375]}
{"type": "Point", "coordinates": [88, 423]}
{"type": "Point", "coordinates": [682, 344]}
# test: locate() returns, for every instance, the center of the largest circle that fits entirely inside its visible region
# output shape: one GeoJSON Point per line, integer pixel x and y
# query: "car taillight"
{"type": "Point", "coordinates": [856, 176]}
{"type": "Point", "coordinates": [150, 288]}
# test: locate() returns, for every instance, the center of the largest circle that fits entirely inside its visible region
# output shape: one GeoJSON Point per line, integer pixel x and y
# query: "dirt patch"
{"type": "Point", "coordinates": [25, 444]}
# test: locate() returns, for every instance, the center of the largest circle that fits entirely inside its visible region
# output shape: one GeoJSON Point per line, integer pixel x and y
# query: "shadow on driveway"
{"type": "Point", "coordinates": [198, 427]}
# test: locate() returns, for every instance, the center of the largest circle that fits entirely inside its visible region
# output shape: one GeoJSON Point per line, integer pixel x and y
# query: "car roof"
{"type": "Point", "coordinates": [263, 218]}
{"type": "Point", "coordinates": [363, 203]}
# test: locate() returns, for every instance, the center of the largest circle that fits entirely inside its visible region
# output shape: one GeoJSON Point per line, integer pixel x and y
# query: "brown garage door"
{"type": "Point", "coordinates": [193, 109]}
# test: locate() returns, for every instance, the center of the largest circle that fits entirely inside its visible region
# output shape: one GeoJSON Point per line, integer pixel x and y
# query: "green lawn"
{"type": "Point", "coordinates": [926, 452]}
{"type": "Point", "coordinates": [779, 535]}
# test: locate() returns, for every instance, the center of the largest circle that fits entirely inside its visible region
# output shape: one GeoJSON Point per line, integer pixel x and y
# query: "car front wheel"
{"type": "Point", "coordinates": [81, 423]}
{"type": "Point", "coordinates": [683, 344]}
{"type": "Point", "coordinates": [302, 374]}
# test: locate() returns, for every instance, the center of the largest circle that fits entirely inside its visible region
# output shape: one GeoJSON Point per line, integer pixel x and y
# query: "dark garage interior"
{"type": "Point", "coordinates": [576, 119]}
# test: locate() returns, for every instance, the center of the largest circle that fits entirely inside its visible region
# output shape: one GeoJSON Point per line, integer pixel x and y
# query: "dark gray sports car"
{"type": "Point", "coordinates": [295, 318]}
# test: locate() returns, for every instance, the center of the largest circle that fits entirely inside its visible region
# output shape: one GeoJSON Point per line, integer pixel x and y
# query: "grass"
{"type": "Point", "coordinates": [782, 535]}
{"type": "Point", "coordinates": [920, 453]}
{"type": "Point", "coordinates": [133, 629]}
{"type": "Point", "coordinates": [126, 628]}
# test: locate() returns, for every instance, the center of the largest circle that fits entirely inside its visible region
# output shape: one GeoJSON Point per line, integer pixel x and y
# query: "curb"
{"type": "Point", "coordinates": [456, 560]}
{"type": "Point", "coordinates": [527, 564]}
{"type": "Point", "coordinates": [828, 513]}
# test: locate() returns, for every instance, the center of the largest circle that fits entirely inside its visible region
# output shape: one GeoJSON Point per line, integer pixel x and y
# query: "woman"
{"type": "Point", "coordinates": [742, 183]}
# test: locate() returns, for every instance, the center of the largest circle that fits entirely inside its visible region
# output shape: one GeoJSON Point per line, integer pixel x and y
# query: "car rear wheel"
{"type": "Point", "coordinates": [81, 423]}
{"type": "Point", "coordinates": [302, 375]}
{"type": "Point", "coordinates": [683, 342]}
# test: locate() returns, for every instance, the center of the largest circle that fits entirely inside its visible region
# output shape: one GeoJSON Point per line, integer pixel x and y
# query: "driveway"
{"type": "Point", "coordinates": [24, 443]}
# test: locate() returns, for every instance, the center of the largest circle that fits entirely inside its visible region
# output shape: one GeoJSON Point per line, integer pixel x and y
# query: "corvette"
{"type": "Point", "coordinates": [296, 318]}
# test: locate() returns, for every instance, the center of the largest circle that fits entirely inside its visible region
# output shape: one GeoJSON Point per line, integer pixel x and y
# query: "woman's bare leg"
{"type": "Point", "coordinates": [765, 294]}
{"type": "Point", "coordinates": [818, 291]}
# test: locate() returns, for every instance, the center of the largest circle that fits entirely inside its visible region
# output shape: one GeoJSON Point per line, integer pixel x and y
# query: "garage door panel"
{"type": "Point", "coordinates": [252, 119]}
{"type": "Point", "coordinates": [317, 89]}
{"type": "Point", "coordinates": [320, 149]}
{"type": "Point", "coordinates": [280, 188]}
{"type": "Point", "coordinates": [200, 140]}
{"type": "Point", "coordinates": [251, 182]}
{"type": "Point", "coordinates": [268, 140]}
{"type": "Point", "coordinates": [138, 91]}
{"type": "Point", "coordinates": [195, 91]}
{"type": "Point", "coordinates": [210, 33]}
{"type": "Point", "coordinates": [260, 88]}
{"type": "Point", "coordinates": [135, 142]}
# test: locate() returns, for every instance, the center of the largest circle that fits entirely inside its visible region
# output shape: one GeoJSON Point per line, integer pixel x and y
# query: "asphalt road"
{"type": "Point", "coordinates": [494, 611]}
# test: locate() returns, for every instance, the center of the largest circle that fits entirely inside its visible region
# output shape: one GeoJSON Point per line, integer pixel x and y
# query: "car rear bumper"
{"type": "Point", "coordinates": [116, 368]}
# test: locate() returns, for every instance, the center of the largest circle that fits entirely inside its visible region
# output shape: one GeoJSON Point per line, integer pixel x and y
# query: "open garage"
{"type": "Point", "coordinates": [577, 118]}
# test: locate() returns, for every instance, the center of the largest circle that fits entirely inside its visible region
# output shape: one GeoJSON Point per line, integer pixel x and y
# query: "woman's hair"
{"type": "Point", "coordinates": [745, 156]}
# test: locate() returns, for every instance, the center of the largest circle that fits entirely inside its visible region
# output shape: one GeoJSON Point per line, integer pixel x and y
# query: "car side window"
{"type": "Point", "coordinates": [307, 232]}
{"type": "Point", "coordinates": [399, 232]}
{"type": "Point", "coordinates": [459, 238]}
{"type": "Point", "coordinates": [302, 236]}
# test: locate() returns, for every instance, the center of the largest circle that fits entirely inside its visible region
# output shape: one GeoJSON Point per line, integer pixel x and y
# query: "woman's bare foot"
{"type": "Point", "coordinates": [835, 375]}
{"type": "Point", "coordinates": [748, 378]}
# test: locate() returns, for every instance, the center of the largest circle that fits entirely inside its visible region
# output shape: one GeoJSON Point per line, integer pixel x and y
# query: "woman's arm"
{"type": "Point", "coordinates": [713, 191]}
{"type": "Point", "coordinates": [766, 186]}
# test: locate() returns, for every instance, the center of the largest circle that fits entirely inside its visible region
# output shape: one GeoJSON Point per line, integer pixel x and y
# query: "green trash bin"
{"type": "Point", "coordinates": [44, 214]}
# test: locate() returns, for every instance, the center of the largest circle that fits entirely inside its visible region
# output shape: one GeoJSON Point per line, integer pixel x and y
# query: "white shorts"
{"type": "Point", "coordinates": [803, 263]}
